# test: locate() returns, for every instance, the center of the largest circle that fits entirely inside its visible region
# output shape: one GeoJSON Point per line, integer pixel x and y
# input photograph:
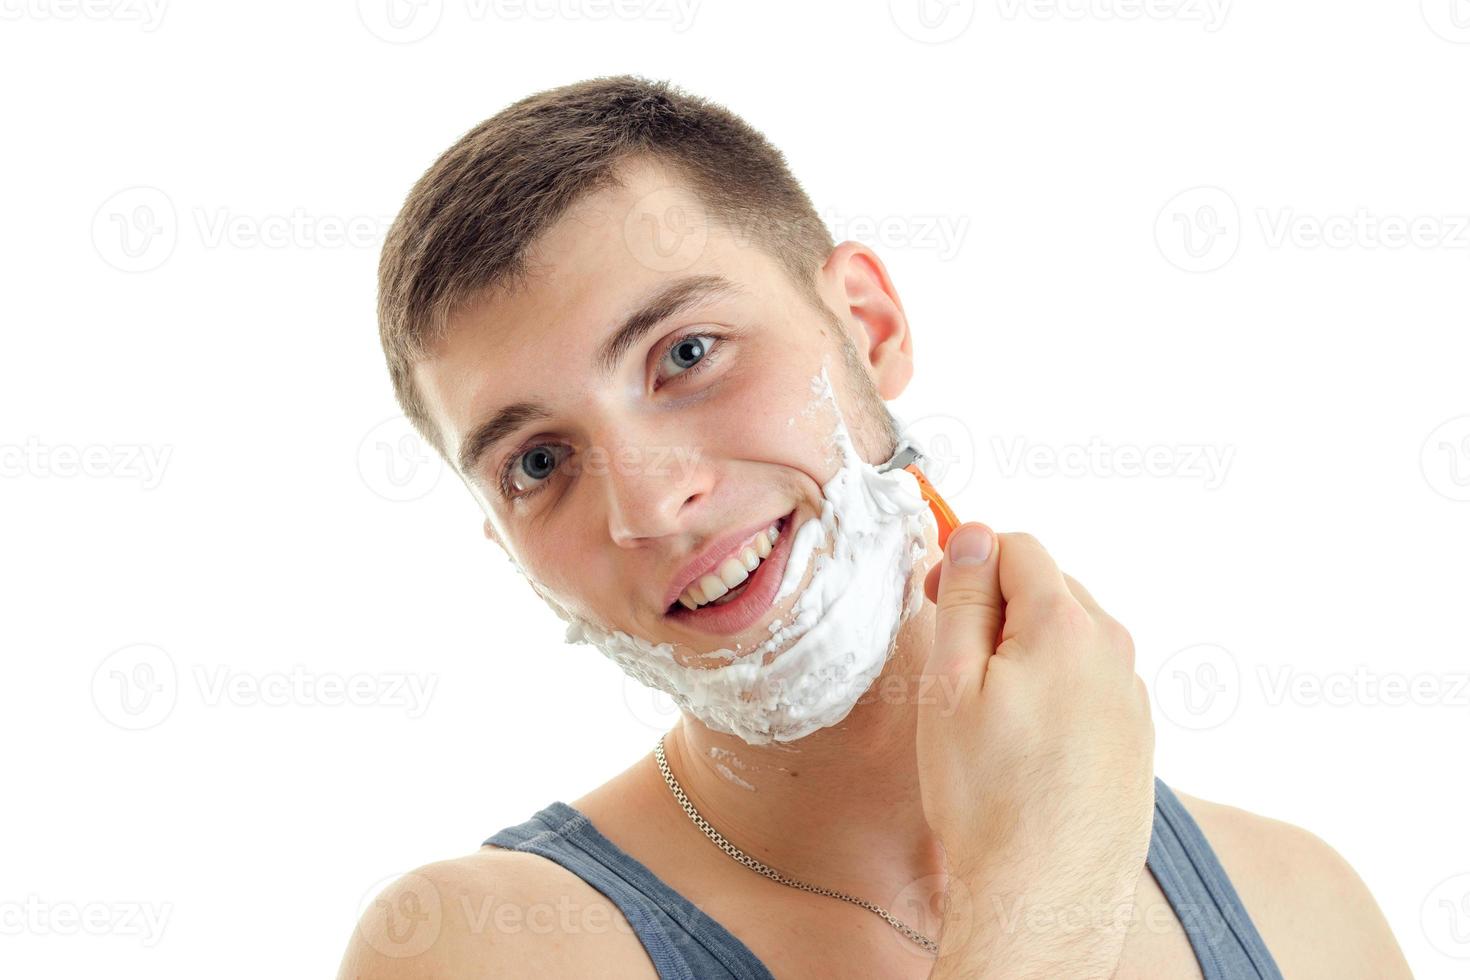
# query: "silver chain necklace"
{"type": "Point", "coordinates": [754, 865]}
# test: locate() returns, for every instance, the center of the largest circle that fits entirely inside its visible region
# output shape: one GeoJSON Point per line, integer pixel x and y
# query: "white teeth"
{"type": "Point", "coordinates": [732, 571]}
{"type": "Point", "coordinates": [712, 587]}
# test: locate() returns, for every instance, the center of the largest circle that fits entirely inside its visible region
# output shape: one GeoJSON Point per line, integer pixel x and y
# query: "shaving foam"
{"type": "Point", "coordinates": [840, 631]}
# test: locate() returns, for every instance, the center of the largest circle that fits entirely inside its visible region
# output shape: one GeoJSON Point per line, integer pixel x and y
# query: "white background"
{"type": "Point", "coordinates": [1107, 209]}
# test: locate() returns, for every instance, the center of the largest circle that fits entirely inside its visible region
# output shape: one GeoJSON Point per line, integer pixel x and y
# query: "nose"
{"type": "Point", "coordinates": [649, 488]}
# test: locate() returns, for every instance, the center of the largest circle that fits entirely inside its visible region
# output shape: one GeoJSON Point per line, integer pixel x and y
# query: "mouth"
{"type": "Point", "coordinates": [740, 606]}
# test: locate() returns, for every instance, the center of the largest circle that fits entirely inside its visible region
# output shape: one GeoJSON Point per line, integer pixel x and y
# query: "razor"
{"type": "Point", "coordinates": [908, 457]}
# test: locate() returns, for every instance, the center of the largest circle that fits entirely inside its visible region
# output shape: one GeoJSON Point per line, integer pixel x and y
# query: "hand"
{"type": "Point", "coordinates": [1039, 782]}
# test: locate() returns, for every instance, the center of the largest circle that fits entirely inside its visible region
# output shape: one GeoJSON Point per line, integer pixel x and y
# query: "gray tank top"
{"type": "Point", "coordinates": [687, 944]}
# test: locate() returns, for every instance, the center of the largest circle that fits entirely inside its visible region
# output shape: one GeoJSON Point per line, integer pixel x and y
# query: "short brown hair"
{"type": "Point", "coordinates": [470, 219]}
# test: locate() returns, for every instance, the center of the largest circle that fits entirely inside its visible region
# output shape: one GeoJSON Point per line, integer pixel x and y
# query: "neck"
{"type": "Point", "coordinates": [839, 808]}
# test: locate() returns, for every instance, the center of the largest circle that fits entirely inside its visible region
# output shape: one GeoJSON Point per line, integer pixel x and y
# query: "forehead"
{"type": "Point", "coordinates": [589, 270]}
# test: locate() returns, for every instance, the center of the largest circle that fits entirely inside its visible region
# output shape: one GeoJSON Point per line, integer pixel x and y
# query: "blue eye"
{"type": "Point", "coordinates": [536, 464]}
{"type": "Point", "coordinates": [690, 351]}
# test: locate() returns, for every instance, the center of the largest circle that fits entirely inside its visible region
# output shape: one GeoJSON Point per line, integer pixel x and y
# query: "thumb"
{"type": "Point", "coordinates": [971, 608]}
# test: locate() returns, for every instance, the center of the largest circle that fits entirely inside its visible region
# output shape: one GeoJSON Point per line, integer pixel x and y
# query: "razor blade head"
{"type": "Point", "coordinates": [907, 453]}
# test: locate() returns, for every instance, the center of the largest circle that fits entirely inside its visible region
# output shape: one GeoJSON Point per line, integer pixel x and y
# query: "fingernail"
{"type": "Point", "coordinates": [969, 545]}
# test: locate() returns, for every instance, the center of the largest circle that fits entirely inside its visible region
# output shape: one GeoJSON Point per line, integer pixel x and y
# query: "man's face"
{"type": "Point", "coordinates": [704, 427]}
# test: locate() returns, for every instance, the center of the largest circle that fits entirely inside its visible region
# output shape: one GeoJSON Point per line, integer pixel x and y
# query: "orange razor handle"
{"type": "Point", "coordinates": [943, 515]}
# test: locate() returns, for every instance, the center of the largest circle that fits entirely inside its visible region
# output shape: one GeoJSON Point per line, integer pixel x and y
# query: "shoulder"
{"type": "Point", "coordinates": [1314, 912]}
{"type": "Point", "coordinates": [488, 914]}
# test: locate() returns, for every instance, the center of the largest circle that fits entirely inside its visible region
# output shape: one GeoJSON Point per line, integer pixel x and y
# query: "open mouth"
{"type": "Point", "coordinates": [740, 606]}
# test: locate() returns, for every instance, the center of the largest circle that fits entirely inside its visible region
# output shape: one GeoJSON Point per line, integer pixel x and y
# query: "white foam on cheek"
{"type": "Point", "coordinates": [841, 629]}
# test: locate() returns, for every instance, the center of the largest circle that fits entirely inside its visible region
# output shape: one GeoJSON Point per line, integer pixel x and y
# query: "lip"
{"type": "Point", "coordinates": [758, 593]}
{"type": "Point", "coordinates": [711, 557]}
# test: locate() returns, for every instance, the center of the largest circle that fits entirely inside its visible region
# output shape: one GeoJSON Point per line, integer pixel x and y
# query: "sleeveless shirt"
{"type": "Point", "coordinates": [686, 944]}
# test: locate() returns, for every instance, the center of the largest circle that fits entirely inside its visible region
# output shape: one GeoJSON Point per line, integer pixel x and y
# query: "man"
{"type": "Point", "coordinates": [615, 271]}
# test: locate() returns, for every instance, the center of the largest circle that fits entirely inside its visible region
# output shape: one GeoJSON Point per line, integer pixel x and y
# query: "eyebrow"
{"type": "Point", "coordinates": [669, 300]}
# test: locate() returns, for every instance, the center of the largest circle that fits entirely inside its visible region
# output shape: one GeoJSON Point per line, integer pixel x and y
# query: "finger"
{"type": "Point", "coordinates": [1030, 582]}
{"type": "Point", "coordinates": [1083, 596]}
{"type": "Point", "coordinates": [970, 605]}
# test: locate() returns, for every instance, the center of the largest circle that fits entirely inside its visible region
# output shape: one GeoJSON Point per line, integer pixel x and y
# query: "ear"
{"type": "Point", "coordinates": [863, 293]}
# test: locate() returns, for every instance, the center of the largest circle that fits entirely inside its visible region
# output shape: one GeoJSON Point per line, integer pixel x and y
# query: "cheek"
{"type": "Point", "coordinates": [783, 418]}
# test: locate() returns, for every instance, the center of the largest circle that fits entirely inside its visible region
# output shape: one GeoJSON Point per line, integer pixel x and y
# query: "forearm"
{"type": "Point", "coordinates": [1072, 928]}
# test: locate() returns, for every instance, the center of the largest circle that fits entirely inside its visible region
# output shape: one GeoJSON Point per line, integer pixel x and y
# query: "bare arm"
{"type": "Point", "coordinates": [495, 913]}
